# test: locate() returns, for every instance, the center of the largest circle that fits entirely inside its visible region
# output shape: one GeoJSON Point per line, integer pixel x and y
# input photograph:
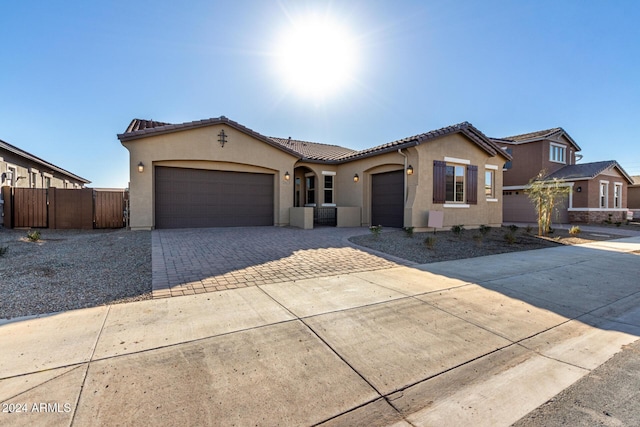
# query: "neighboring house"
{"type": "Point", "coordinates": [216, 172]}
{"type": "Point", "coordinates": [633, 194]}
{"type": "Point", "coordinates": [598, 190]}
{"type": "Point", "coordinates": [21, 169]}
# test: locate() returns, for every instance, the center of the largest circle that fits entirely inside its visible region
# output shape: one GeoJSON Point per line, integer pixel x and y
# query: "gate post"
{"type": "Point", "coordinates": [7, 207]}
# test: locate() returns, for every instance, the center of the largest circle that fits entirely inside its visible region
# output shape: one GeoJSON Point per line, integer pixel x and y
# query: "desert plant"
{"type": "Point", "coordinates": [33, 235]}
{"type": "Point", "coordinates": [484, 229]}
{"type": "Point", "coordinates": [510, 237]}
{"type": "Point", "coordinates": [375, 230]}
{"type": "Point", "coordinates": [408, 231]}
{"type": "Point", "coordinates": [430, 242]}
{"type": "Point", "coordinates": [3, 250]}
{"type": "Point", "coordinates": [513, 228]}
{"type": "Point", "coordinates": [544, 194]}
{"type": "Point", "coordinates": [575, 230]}
{"type": "Point", "coordinates": [618, 223]}
{"type": "Point", "coordinates": [478, 239]}
{"type": "Point", "coordinates": [457, 229]}
{"type": "Point", "coordinates": [529, 229]}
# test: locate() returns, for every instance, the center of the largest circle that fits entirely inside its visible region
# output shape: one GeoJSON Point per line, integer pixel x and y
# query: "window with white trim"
{"type": "Point", "coordinates": [617, 195]}
{"type": "Point", "coordinates": [310, 187]}
{"type": "Point", "coordinates": [557, 153]}
{"type": "Point", "coordinates": [604, 194]}
{"type": "Point", "coordinates": [455, 181]}
{"type": "Point", "coordinates": [328, 189]}
{"type": "Point", "coordinates": [489, 184]}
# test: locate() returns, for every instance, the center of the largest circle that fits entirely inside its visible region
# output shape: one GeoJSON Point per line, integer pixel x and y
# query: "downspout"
{"type": "Point", "coordinates": [404, 174]}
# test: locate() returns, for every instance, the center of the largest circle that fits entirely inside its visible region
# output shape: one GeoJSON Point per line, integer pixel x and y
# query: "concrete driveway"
{"type": "Point", "coordinates": [476, 342]}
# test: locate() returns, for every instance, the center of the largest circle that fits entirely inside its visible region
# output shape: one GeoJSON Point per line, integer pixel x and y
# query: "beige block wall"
{"type": "Point", "coordinates": [199, 148]}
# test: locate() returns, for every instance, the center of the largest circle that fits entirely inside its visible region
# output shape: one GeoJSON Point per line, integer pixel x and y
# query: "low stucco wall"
{"type": "Point", "coordinates": [349, 216]}
{"type": "Point", "coordinates": [301, 218]}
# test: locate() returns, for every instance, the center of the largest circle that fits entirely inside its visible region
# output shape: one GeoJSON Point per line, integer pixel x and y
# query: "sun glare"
{"type": "Point", "coordinates": [316, 57]}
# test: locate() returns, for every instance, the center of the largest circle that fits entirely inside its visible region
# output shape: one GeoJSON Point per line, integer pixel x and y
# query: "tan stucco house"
{"type": "Point", "coordinates": [598, 189]}
{"type": "Point", "coordinates": [217, 172]}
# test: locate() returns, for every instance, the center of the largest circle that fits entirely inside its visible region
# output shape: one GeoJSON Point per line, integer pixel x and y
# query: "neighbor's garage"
{"type": "Point", "coordinates": [191, 198]}
{"type": "Point", "coordinates": [517, 207]}
{"type": "Point", "coordinates": [387, 199]}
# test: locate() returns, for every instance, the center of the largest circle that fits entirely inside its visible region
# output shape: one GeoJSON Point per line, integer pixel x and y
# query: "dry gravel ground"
{"type": "Point", "coordinates": [428, 247]}
{"type": "Point", "coordinates": [69, 269]}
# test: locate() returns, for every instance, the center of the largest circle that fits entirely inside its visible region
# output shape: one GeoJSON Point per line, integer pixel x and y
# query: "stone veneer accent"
{"type": "Point", "coordinates": [597, 216]}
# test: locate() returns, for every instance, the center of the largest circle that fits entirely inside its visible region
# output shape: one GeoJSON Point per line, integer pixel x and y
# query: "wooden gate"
{"type": "Point", "coordinates": [63, 208]}
{"type": "Point", "coordinates": [30, 207]}
{"type": "Point", "coordinates": [108, 209]}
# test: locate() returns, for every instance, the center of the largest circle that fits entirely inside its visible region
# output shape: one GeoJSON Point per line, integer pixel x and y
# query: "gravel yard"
{"type": "Point", "coordinates": [446, 245]}
{"type": "Point", "coordinates": [69, 269]}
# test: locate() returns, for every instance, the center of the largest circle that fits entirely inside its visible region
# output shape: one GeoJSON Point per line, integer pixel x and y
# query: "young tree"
{"type": "Point", "coordinates": [545, 195]}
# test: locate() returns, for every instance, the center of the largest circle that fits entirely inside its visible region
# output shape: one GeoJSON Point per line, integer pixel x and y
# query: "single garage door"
{"type": "Point", "coordinates": [190, 198]}
{"type": "Point", "coordinates": [517, 207]}
{"type": "Point", "coordinates": [387, 199]}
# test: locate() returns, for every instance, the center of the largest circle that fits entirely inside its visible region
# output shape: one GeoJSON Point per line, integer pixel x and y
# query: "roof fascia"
{"type": "Point", "coordinates": [15, 150]}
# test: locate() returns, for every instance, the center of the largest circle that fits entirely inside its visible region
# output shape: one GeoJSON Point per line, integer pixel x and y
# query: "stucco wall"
{"type": "Point", "coordinates": [26, 169]}
{"type": "Point", "coordinates": [199, 148]}
{"type": "Point", "coordinates": [633, 197]}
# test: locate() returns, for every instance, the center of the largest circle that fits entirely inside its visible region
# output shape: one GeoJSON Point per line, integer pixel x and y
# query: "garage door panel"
{"type": "Point", "coordinates": [387, 199]}
{"type": "Point", "coordinates": [203, 198]}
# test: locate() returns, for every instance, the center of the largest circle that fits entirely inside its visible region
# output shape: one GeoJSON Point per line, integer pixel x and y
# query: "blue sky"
{"type": "Point", "coordinates": [73, 74]}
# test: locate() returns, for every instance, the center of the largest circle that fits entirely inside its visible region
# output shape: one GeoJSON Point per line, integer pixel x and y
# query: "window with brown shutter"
{"type": "Point", "coordinates": [439, 181]}
{"type": "Point", "coordinates": [472, 184]}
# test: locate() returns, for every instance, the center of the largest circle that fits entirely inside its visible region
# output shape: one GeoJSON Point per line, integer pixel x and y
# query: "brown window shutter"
{"type": "Point", "coordinates": [439, 181]}
{"type": "Point", "coordinates": [472, 184]}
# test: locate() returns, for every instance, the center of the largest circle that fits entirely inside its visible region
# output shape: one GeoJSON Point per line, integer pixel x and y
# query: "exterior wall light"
{"type": "Point", "coordinates": [579, 189]}
{"type": "Point", "coordinates": [140, 167]}
{"type": "Point", "coordinates": [356, 178]}
{"type": "Point", "coordinates": [410, 170]}
{"type": "Point", "coordinates": [287, 177]}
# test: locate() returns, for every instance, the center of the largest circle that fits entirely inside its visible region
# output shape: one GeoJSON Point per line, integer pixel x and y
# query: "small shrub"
{"type": "Point", "coordinates": [529, 229]}
{"type": "Point", "coordinates": [551, 230]}
{"type": "Point", "coordinates": [3, 250]}
{"type": "Point", "coordinates": [478, 239]}
{"type": "Point", "coordinates": [513, 228]}
{"type": "Point", "coordinates": [457, 229]}
{"type": "Point", "coordinates": [510, 237]}
{"type": "Point", "coordinates": [33, 235]}
{"type": "Point", "coordinates": [430, 242]}
{"type": "Point", "coordinates": [575, 230]}
{"type": "Point", "coordinates": [618, 223]}
{"type": "Point", "coordinates": [408, 231]}
{"type": "Point", "coordinates": [484, 229]}
{"type": "Point", "coordinates": [375, 230]}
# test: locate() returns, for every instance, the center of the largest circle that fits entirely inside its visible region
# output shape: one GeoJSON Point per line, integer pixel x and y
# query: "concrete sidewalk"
{"type": "Point", "coordinates": [476, 342]}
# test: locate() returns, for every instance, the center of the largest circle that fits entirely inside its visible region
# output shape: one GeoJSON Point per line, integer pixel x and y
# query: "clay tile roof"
{"type": "Point", "coordinates": [314, 150]}
{"type": "Point", "coordinates": [533, 135]}
{"type": "Point", "coordinates": [587, 171]}
{"type": "Point", "coordinates": [140, 124]}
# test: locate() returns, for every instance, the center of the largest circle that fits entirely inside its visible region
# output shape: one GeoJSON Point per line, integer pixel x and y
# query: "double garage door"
{"type": "Point", "coordinates": [191, 198]}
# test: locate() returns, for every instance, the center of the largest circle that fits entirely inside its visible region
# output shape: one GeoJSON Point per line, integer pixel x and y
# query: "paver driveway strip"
{"type": "Point", "coordinates": [192, 261]}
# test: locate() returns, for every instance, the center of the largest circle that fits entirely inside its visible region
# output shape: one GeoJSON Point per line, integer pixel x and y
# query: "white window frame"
{"type": "Point", "coordinates": [492, 169]}
{"type": "Point", "coordinates": [456, 203]}
{"type": "Point", "coordinates": [332, 189]}
{"type": "Point", "coordinates": [12, 174]}
{"type": "Point", "coordinates": [617, 195]}
{"type": "Point", "coordinates": [555, 149]}
{"type": "Point", "coordinates": [603, 195]}
{"type": "Point", "coordinates": [306, 189]}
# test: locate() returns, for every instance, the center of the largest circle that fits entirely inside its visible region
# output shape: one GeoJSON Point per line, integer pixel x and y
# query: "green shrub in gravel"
{"type": "Point", "coordinates": [510, 237]}
{"type": "Point", "coordinates": [33, 235]}
{"type": "Point", "coordinates": [408, 231]}
{"type": "Point", "coordinates": [3, 250]}
{"type": "Point", "coordinates": [484, 229]}
{"type": "Point", "coordinates": [457, 229]}
{"type": "Point", "coordinates": [430, 242]}
{"type": "Point", "coordinates": [375, 230]}
{"type": "Point", "coordinates": [513, 228]}
{"type": "Point", "coordinates": [478, 239]}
